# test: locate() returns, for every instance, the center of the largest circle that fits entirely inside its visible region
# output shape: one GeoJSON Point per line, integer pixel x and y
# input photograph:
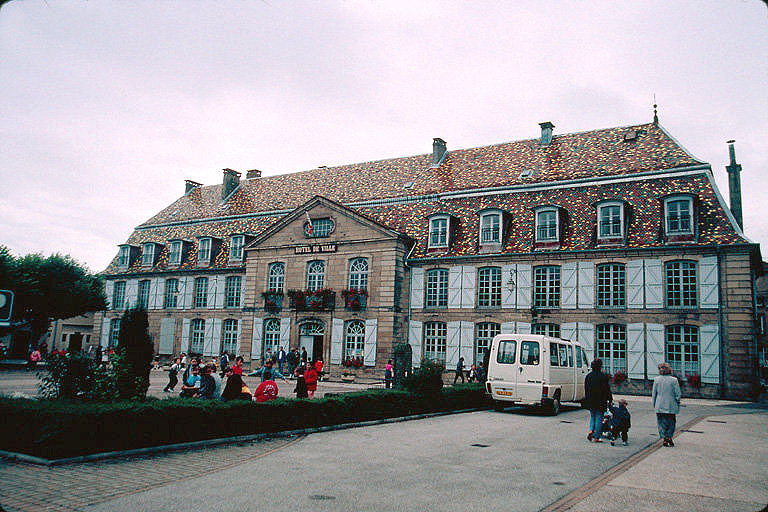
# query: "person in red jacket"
{"type": "Point", "coordinates": [310, 377]}
{"type": "Point", "coordinates": [266, 391]}
{"type": "Point", "coordinates": [319, 369]}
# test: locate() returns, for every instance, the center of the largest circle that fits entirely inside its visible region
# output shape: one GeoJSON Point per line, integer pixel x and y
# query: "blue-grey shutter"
{"type": "Point", "coordinates": [508, 282]}
{"type": "Point", "coordinates": [212, 295]}
{"type": "Point", "coordinates": [185, 335]}
{"type": "Point", "coordinates": [587, 338]}
{"type": "Point", "coordinates": [507, 328]}
{"type": "Point", "coordinates": [452, 345]}
{"type": "Point", "coordinates": [369, 354]}
{"type": "Point", "coordinates": [523, 288]}
{"type": "Point", "coordinates": [285, 334]}
{"type": "Point", "coordinates": [654, 338]}
{"type": "Point", "coordinates": [186, 293]}
{"type": "Point", "coordinates": [239, 334]}
{"type": "Point", "coordinates": [654, 284]}
{"type": "Point", "coordinates": [337, 340]}
{"type": "Point", "coordinates": [109, 287]}
{"type": "Point", "coordinates": [208, 343]}
{"type": "Point", "coordinates": [152, 300]}
{"type": "Point", "coordinates": [586, 284]}
{"type": "Point", "coordinates": [221, 289]}
{"type": "Point", "coordinates": [216, 346]}
{"type": "Point", "coordinates": [568, 286]}
{"type": "Point", "coordinates": [468, 280]}
{"type": "Point", "coordinates": [708, 282]}
{"type": "Point", "coordinates": [569, 331]}
{"type": "Point", "coordinates": [417, 288]}
{"type": "Point", "coordinates": [167, 330]}
{"type": "Point", "coordinates": [709, 338]}
{"type": "Point", "coordinates": [105, 332]}
{"type": "Point", "coordinates": [636, 351]}
{"type": "Point", "coordinates": [523, 328]}
{"type": "Point", "coordinates": [635, 284]}
{"type": "Point", "coordinates": [467, 342]}
{"type": "Point", "coordinates": [257, 338]}
{"type": "Point", "coordinates": [415, 333]}
{"type": "Point", "coordinates": [454, 287]}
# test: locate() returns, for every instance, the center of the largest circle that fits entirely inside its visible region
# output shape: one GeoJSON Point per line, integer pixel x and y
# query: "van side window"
{"type": "Point", "coordinates": [578, 357]}
{"type": "Point", "coordinates": [586, 361]}
{"type": "Point", "coordinates": [570, 356]}
{"type": "Point", "coordinates": [529, 353]}
{"type": "Point", "coordinates": [553, 354]}
{"type": "Point", "coordinates": [506, 354]}
{"type": "Point", "coordinates": [563, 356]}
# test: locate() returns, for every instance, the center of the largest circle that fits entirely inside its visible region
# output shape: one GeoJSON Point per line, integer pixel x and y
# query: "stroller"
{"type": "Point", "coordinates": [616, 421]}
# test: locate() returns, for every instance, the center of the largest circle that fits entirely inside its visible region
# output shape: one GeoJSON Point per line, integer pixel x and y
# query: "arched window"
{"type": "Point", "coordinates": [437, 288]}
{"type": "Point", "coordinates": [354, 339]}
{"type": "Point", "coordinates": [271, 335]}
{"type": "Point", "coordinates": [312, 328]}
{"type": "Point", "coordinates": [229, 336]}
{"type": "Point", "coordinates": [315, 275]}
{"type": "Point", "coordinates": [276, 278]}
{"type": "Point", "coordinates": [611, 347]}
{"type": "Point", "coordinates": [484, 333]}
{"type": "Point", "coordinates": [358, 274]}
{"type": "Point", "coordinates": [435, 339]}
{"type": "Point", "coordinates": [489, 287]}
{"type": "Point", "coordinates": [683, 349]}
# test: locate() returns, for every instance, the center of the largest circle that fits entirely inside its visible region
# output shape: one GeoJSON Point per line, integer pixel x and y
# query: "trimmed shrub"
{"type": "Point", "coordinates": [135, 351]}
{"type": "Point", "coordinates": [427, 380]}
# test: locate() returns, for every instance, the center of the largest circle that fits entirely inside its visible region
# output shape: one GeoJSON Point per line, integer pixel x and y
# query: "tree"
{"type": "Point", "coordinates": [48, 289]}
{"type": "Point", "coordinates": [134, 355]}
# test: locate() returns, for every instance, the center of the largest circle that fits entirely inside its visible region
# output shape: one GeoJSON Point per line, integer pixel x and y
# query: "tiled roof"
{"type": "Point", "coordinates": [577, 155]}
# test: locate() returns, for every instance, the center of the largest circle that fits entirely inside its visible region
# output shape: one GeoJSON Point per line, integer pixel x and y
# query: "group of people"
{"type": "Point", "coordinates": [475, 374]}
{"type": "Point", "coordinates": [665, 396]}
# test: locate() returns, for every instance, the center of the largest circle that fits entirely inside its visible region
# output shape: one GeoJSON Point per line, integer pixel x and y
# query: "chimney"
{"type": "Point", "coordinates": [252, 174]}
{"type": "Point", "coordinates": [190, 185]}
{"type": "Point", "coordinates": [438, 151]}
{"type": "Point", "coordinates": [546, 132]}
{"type": "Point", "coordinates": [231, 181]}
{"type": "Point", "coordinates": [734, 185]}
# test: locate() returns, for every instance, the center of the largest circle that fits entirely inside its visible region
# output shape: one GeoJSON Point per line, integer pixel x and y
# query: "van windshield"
{"type": "Point", "coordinates": [529, 352]}
{"type": "Point", "coordinates": [506, 353]}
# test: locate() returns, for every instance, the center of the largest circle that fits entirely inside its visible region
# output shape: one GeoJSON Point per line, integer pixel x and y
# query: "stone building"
{"type": "Point", "coordinates": [616, 237]}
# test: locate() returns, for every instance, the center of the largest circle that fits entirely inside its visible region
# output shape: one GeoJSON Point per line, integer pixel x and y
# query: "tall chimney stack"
{"type": "Point", "coordinates": [734, 185]}
{"type": "Point", "coordinates": [438, 151]}
{"type": "Point", "coordinates": [546, 132]}
{"type": "Point", "coordinates": [231, 181]}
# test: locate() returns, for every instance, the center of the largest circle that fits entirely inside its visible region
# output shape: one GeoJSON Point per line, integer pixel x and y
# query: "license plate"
{"type": "Point", "coordinates": [504, 393]}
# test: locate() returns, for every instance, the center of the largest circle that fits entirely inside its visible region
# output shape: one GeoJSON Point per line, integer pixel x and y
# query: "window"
{"type": "Point", "coordinates": [506, 353]}
{"type": "Point", "coordinates": [236, 244]}
{"type": "Point", "coordinates": [229, 336]}
{"type": "Point", "coordinates": [114, 332]}
{"type": "Point", "coordinates": [171, 294]}
{"type": "Point", "coordinates": [610, 220]}
{"type": "Point", "coordinates": [546, 292]}
{"type": "Point", "coordinates": [679, 215]}
{"type": "Point", "coordinates": [611, 345]}
{"type": "Point", "coordinates": [354, 339]}
{"type": "Point", "coordinates": [489, 287]}
{"type": "Point", "coordinates": [563, 355]}
{"type": "Point", "coordinates": [435, 338]}
{"type": "Point", "coordinates": [315, 275]}
{"type": "Point", "coordinates": [683, 349]}
{"type": "Point", "coordinates": [271, 335]}
{"type": "Point", "coordinates": [611, 286]}
{"type": "Point", "coordinates": [437, 288]}
{"type": "Point", "coordinates": [529, 353]}
{"type": "Point", "coordinates": [276, 277]}
{"type": "Point", "coordinates": [118, 295]}
{"type": "Point", "coordinates": [196, 336]}
{"type": "Point", "coordinates": [546, 225]}
{"type": "Point", "coordinates": [125, 256]}
{"type": "Point", "coordinates": [232, 292]}
{"type": "Point", "coordinates": [312, 328]}
{"type": "Point", "coordinates": [204, 251]}
{"type": "Point", "coordinates": [148, 255]}
{"type": "Point", "coordinates": [143, 298]}
{"type": "Point", "coordinates": [578, 357]}
{"type": "Point", "coordinates": [490, 228]}
{"type": "Point", "coordinates": [438, 232]}
{"type": "Point", "coordinates": [358, 274]}
{"type": "Point", "coordinates": [681, 284]}
{"type": "Point", "coordinates": [320, 228]}
{"type": "Point", "coordinates": [174, 254]}
{"type": "Point", "coordinates": [484, 333]}
{"type": "Point", "coordinates": [554, 354]}
{"type": "Point", "coordinates": [551, 330]}
{"type": "Point", "coordinates": [201, 292]}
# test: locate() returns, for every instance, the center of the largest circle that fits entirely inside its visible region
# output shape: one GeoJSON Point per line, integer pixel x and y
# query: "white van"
{"type": "Point", "coordinates": [531, 369]}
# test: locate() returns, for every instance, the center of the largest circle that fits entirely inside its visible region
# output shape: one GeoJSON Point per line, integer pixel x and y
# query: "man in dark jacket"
{"type": "Point", "coordinates": [597, 390]}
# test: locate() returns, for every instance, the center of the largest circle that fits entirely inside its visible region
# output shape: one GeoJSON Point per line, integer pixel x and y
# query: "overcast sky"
{"type": "Point", "coordinates": [106, 107]}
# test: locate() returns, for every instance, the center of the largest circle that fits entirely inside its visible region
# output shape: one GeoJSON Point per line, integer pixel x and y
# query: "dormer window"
{"type": "Point", "coordinates": [490, 227]}
{"type": "Point", "coordinates": [204, 251]}
{"type": "Point", "coordinates": [236, 247]}
{"type": "Point", "coordinates": [678, 215]}
{"type": "Point", "coordinates": [438, 231]}
{"type": "Point", "coordinates": [174, 254]}
{"type": "Point", "coordinates": [125, 256]}
{"type": "Point", "coordinates": [610, 220]}
{"type": "Point", "coordinates": [547, 226]}
{"type": "Point", "coordinates": [318, 228]}
{"type": "Point", "coordinates": [148, 255]}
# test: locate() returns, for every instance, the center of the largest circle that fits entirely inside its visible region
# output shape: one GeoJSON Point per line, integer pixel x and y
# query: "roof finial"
{"type": "Point", "coordinates": [655, 112]}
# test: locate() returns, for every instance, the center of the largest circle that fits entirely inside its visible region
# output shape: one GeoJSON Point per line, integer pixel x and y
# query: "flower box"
{"type": "Point", "coordinates": [355, 299]}
{"type": "Point", "coordinates": [312, 300]}
{"type": "Point", "coordinates": [273, 301]}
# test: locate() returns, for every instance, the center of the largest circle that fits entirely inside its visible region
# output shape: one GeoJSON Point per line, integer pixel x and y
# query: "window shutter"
{"type": "Point", "coordinates": [185, 335]}
{"type": "Point", "coordinates": [239, 334]}
{"type": "Point", "coordinates": [468, 281]}
{"type": "Point", "coordinates": [586, 284]}
{"type": "Point", "coordinates": [167, 328]}
{"type": "Point", "coordinates": [337, 339]}
{"type": "Point", "coordinates": [708, 282]}
{"type": "Point", "coordinates": [454, 287]}
{"type": "Point", "coordinates": [221, 289]}
{"type": "Point", "coordinates": [417, 288]}
{"type": "Point", "coordinates": [369, 354]}
{"type": "Point", "coordinates": [414, 340]}
{"type": "Point", "coordinates": [242, 295]}
{"type": "Point", "coordinates": [109, 287]}
{"type": "Point", "coordinates": [105, 333]}
{"type": "Point", "coordinates": [152, 302]}
{"type": "Point", "coordinates": [569, 331]}
{"type": "Point", "coordinates": [285, 333]}
{"type": "Point", "coordinates": [208, 336]}
{"type": "Point", "coordinates": [186, 292]}
{"type": "Point", "coordinates": [587, 338]}
{"type": "Point", "coordinates": [523, 296]}
{"type": "Point", "coordinates": [256, 338]}
{"type": "Point", "coordinates": [452, 345]}
{"type": "Point", "coordinates": [568, 288]}
{"type": "Point", "coordinates": [635, 351]}
{"type": "Point", "coordinates": [507, 328]}
{"type": "Point", "coordinates": [654, 284]}
{"type": "Point", "coordinates": [654, 337]}
{"type": "Point", "coordinates": [523, 328]}
{"type": "Point", "coordinates": [635, 284]}
{"type": "Point", "coordinates": [709, 340]}
{"type": "Point", "coordinates": [467, 343]}
{"type": "Point", "coordinates": [212, 295]}
{"type": "Point", "coordinates": [216, 347]}
{"type": "Point", "coordinates": [508, 283]}
{"type": "Point", "coordinates": [131, 293]}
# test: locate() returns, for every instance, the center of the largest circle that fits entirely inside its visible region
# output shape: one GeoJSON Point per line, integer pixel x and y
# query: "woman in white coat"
{"type": "Point", "coordinates": [666, 402]}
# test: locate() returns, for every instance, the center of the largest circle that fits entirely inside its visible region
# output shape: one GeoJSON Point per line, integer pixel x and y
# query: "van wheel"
{"type": "Point", "coordinates": [554, 406]}
{"type": "Point", "coordinates": [498, 406]}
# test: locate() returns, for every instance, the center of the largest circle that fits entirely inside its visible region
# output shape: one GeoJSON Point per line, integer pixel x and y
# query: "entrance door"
{"type": "Point", "coordinates": [308, 342]}
{"type": "Point", "coordinates": [75, 343]}
{"type": "Point", "coordinates": [317, 347]}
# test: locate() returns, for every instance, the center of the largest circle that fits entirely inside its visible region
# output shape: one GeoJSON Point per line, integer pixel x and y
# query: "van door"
{"type": "Point", "coordinates": [529, 379]}
{"type": "Point", "coordinates": [505, 371]}
{"type": "Point", "coordinates": [581, 373]}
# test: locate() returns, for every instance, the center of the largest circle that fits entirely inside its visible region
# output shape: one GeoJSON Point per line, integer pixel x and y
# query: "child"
{"type": "Point", "coordinates": [301, 384]}
{"type": "Point", "coordinates": [620, 422]}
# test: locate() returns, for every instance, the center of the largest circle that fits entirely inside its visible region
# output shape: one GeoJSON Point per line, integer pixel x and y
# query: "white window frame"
{"type": "Point", "coordinates": [484, 334]}
{"type": "Point", "coordinates": [610, 344]}
{"type": "Point", "coordinates": [232, 287]}
{"type": "Point", "coordinates": [611, 285]}
{"type": "Point", "coordinates": [548, 288]}
{"type": "Point", "coordinates": [682, 348]}
{"type": "Point", "coordinates": [435, 341]}
{"type": "Point", "coordinates": [174, 252]}
{"type": "Point", "coordinates": [354, 339]}
{"type": "Point", "coordinates": [442, 234]}
{"type": "Point", "coordinates": [200, 290]}
{"type": "Point", "coordinates": [547, 210]}
{"type": "Point", "coordinates": [114, 332]}
{"type": "Point", "coordinates": [229, 335]}
{"type": "Point", "coordinates": [604, 206]}
{"type": "Point", "coordinates": [147, 255]}
{"type": "Point", "coordinates": [124, 258]}
{"type": "Point", "coordinates": [315, 278]}
{"type": "Point", "coordinates": [276, 277]}
{"type": "Point", "coordinates": [546, 329]}
{"type": "Point", "coordinates": [118, 295]}
{"type": "Point", "coordinates": [358, 274]}
{"type": "Point", "coordinates": [271, 335]}
{"type": "Point", "coordinates": [679, 282]}
{"type": "Point", "coordinates": [196, 335]}
{"type": "Point", "coordinates": [171, 297]}
{"type": "Point", "coordinates": [489, 287]}
{"type": "Point", "coordinates": [668, 219]}
{"type": "Point", "coordinates": [436, 288]}
{"type": "Point", "coordinates": [204, 251]}
{"type": "Point", "coordinates": [497, 231]}
{"type": "Point", "coordinates": [236, 246]}
{"type": "Point", "coordinates": [142, 298]}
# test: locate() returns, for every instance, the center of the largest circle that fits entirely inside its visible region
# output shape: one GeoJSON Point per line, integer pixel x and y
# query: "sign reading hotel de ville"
{"type": "Point", "coordinates": [315, 248]}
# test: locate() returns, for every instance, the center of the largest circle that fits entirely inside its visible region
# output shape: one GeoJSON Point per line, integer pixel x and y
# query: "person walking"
{"type": "Point", "coordinates": [459, 371]}
{"type": "Point", "coordinates": [173, 376]}
{"type": "Point", "coordinates": [388, 375]}
{"type": "Point", "coordinates": [303, 355]}
{"type": "Point", "coordinates": [224, 363]}
{"type": "Point", "coordinates": [280, 359]}
{"type": "Point", "coordinates": [597, 391]}
{"type": "Point", "coordinates": [666, 402]}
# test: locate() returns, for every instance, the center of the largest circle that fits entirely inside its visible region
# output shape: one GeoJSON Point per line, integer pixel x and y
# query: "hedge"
{"type": "Point", "coordinates": [60, 428]}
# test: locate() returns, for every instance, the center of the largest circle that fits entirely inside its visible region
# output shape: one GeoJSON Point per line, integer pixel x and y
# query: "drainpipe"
{"type": "Point", "coordinates": [720, 320]}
